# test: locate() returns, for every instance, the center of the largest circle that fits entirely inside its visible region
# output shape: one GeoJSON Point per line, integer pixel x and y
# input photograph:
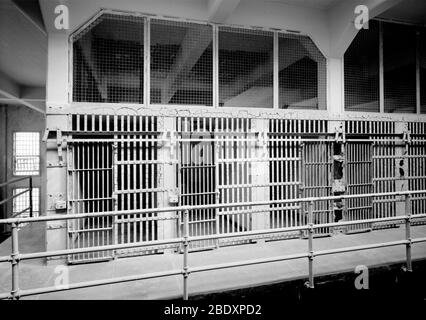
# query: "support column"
{"type": "Point", "coordinates": [335, 86]}
{"type": "Point", "coordinates": [56, 185]}
{"type": "Point", "coordinates": [401, 166]}
{"type": "Point", "coordinates": [167, 153]}
{"type": "Point", "coordinates": [260, 172]}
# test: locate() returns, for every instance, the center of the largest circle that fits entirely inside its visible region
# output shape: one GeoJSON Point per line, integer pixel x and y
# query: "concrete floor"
{"type": "Point", "coordinates": [36, 274]}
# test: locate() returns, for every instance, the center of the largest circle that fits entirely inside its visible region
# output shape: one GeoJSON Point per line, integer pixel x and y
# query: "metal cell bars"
{"type": "Point", "coordinates": [317, 179]}
{"type": "Point", "coordinates": [235, 177]}
{"type": "Point", "coordinates": [181, 63]}
{"type": "Point", "coordinates": [361, 63]}
{"type": "Point", "coordinates": [359, 174]}
{"type": "Point", "coordinates": [89, 190]}
{"type": "Point", "coordinates": [416, 174]}
{"type": "Point", "coordinates": [26, 153]}
{"type": "Point", "coordinates": [383, 155]}
{"type": "Point", "coordinates": [108, 60]}
{"type": "Point", "coordinates": [197, 177]}
{"type": "Point", "coordinates": [285, 169]}
{"type": "Point", "coordinates": [245, 68]}
{"type": "Point", "coordinates": [136, 169]}
{"type": "Point", "coordinates": [302, 73]}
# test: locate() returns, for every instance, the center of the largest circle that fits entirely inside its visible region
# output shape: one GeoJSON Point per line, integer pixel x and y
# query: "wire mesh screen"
{"type": "Point", "coordinates": [181, 63]}
{"type": "Point", "coordinates": [245, 68]}
{"type": "Point", "coordinates": [361, 69]}
{"type": "Point", "coordinates": [422, 51]}
{"type": "Point", "coordinates": [399, 62]}
{"type": "Point", "coordinates": [302, 74]}
{"type": "Point", "coordinates": [108, 60]}
{"type": "Point", "coordinates": [26, 153]}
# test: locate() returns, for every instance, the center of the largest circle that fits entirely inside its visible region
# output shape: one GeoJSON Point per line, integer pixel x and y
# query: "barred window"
{"type": "Point", "coordinates": [361, 67]}
{"type": "Point", "coordinates": [399, 63]}
{"type": "Point", "coordinates": [181, 63]}
{"type": "Point", "coordinates": [302, 74]}
{"type": "Point", "coordinates": [245, 68]}
{"type": "Point", "coordinates": [26, 153]}
{"type": "Point", "coordinates": [108, 61]}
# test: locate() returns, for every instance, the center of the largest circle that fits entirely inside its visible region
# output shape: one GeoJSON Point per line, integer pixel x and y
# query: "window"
{"type": "Point", "coordinates": [108, 60]}
{"type": "Point", "coordinates": [181, 63]}
{"type": "Point", "coordinates": [22, 202]}
{"type": "Point", "coordinates": [399, 63]}
{"type": "Point", "coordinates": [362, 71]}
{"type": "Point", "coordinates": [26, 153]}
{"type": "Point", "coordinates": [245, 68]}
{"type": "Point", "coordinates": [302, 74]}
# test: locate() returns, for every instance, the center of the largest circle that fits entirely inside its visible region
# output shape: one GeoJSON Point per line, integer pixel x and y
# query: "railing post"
{"type": "Point", "coordinates": [310, 244]}
{"type": "Point", "coordinates": [31, 196]}
{"type": "Point", "coordinates": [408, 231]}
{"type": "Point", "coordinates": [185, 254]}
{"type": "Point", "coordinates": [15, 262]}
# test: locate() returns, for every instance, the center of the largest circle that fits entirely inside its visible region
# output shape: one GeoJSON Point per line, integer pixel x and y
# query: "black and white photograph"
{"type": "Point", "coordinates": [212, 158]}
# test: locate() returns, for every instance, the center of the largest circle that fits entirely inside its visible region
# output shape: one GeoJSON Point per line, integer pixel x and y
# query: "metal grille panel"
{"type": "Point", "coordinates": [181, 63]}
{"type": "Point", "coordinates": [26, 153]}
{"type": "Point", "coordinates": [111, 169]}
{"type": "Point", "coordinates": [361, 63]}
{"type": "Point", "coordinates": [108, 60]}
{"type": "Point", "coordinates": [302, 74]}
{"type": "Point", "coordinates": [417, 166]}
{"type": "Point", "coordinates": [399, 63]}
{"type": "Point", "coordinates": [245, 68]}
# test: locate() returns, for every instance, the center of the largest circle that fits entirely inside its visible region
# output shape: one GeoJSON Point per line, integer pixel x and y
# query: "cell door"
{"type": "Point", "coordinates": [317, 181]}
{"type": "Point", "coordinates": [112, 166]}
{"type": "Point", "coordinates": [359, 180]}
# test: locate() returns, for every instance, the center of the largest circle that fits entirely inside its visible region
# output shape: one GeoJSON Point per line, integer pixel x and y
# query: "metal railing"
{"type": "Point", "coordinates": [29, 190]}
{"type": "Point", "coordinates": [15, 257]}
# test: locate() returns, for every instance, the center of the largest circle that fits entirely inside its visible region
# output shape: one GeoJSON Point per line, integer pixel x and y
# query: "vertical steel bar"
{"type": "Point", "coordinates": [276, 72]}
{"type": "Point", "coordinates": [15, 262]}
{"type": "Point", "coordinates": [215, 67]}
{"type": "Point", "coordinates": [310, 244]}
{"type": "Point", "coordinates": [408, 231]}
{"type": "Point", "coordinates": [31, 196]}
{"type": "Point", "coordinates": [381, 71]}
{"type": "Point", "coordinates": [185, 255]}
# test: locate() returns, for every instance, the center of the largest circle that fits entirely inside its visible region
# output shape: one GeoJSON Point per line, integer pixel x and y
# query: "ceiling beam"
{"type": "Point", "coordinates": [220, 10]}
{"type": "Point", "coordinates": [12, 92]}
{"type": "Point", "coordinates": [30, 9]}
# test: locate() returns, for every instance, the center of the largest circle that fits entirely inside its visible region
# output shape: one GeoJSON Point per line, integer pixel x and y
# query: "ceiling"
{"type": "Point", "coordinates": [412, 11]}
{"type": "Point", "coordinates": [23, 47]}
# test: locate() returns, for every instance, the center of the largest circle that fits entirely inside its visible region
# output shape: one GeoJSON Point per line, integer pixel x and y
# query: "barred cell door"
{"type": "Point", "coordinates": [285, 174]}
{"type": "Point", "coordinates": [196, 177]}
{"type": "Point", "coordinates": [90, 180]}
{"type": "Point", "coordinates": [112, 166]}
{"type": "Point", "coordinates": [384, 179]}
{"type": "Point", "coordinates": [359, 180]}
{"type": "Point", "coordinates": [317, 178]}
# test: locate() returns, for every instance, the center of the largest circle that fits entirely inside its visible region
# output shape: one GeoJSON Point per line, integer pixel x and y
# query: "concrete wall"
{"type": "Point", "coordinates": [13, 119]}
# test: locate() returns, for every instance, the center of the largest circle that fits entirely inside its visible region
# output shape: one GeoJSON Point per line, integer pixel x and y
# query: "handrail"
{"type": "Point", "coordinates": [15, 257]}
{"type": "Point", "coordinates": [29, 190]}
{"type": "Point", "coordinates": [206, 206]}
